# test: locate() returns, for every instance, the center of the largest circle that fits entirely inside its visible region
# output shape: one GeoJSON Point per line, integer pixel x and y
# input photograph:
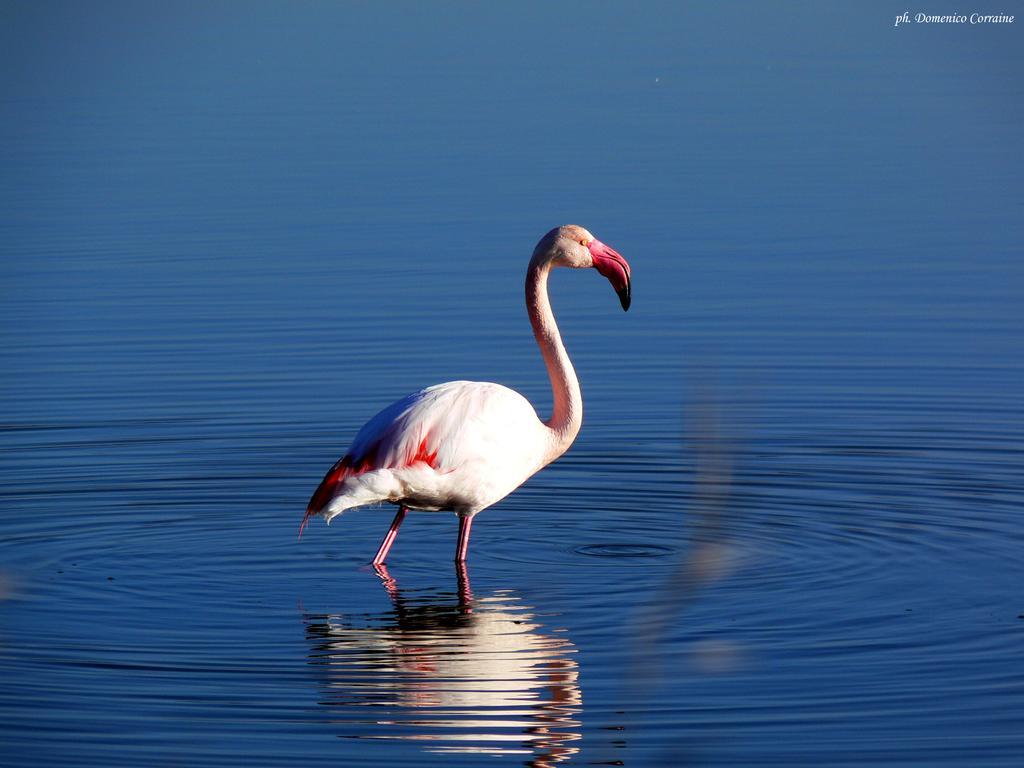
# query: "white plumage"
{"type": "Point", "coordinates": [458, 446]}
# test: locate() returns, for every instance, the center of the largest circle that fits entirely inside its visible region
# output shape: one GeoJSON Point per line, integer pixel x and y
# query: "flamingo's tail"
{"type": "Point", "coordinates": [334, 495]}
{"type": "Point", "coordinates": [325, 491]}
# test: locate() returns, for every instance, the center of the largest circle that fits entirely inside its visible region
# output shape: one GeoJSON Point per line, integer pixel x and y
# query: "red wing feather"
{"type": "Point", "coordinates": [348, 467]}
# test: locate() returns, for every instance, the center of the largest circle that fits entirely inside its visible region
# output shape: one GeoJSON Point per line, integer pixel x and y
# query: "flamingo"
{"type": "Point", "coordinates": [465, 445]}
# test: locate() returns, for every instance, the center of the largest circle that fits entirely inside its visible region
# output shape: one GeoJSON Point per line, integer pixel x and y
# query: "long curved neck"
{"type": "Point", "coordinates": [567, 416]}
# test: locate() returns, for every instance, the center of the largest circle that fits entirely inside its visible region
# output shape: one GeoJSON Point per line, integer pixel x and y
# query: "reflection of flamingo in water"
{"type": "Point", "coordinates": [465, 445]}
{"type": "Point", "coordinates": [476, 675]}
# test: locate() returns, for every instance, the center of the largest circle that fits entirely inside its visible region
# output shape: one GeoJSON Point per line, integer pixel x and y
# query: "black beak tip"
{"type": "Point", "coordinates": [625, 298]}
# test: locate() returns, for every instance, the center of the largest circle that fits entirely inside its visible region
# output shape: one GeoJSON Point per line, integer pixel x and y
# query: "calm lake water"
{"type": "Point", "coordinates": [791, 531]}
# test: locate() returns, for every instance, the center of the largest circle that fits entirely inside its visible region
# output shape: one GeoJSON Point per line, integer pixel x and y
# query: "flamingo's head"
{"type": "Point", "coordinates": [573, 246]}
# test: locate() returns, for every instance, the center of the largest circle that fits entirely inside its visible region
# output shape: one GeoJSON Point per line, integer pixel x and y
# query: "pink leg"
{"type": "Point", "coordinates": [389, 539]}
{"type": "Point", "coordinates": [465, 523]}
{"type": "Point", "coordinates": [465, 591]}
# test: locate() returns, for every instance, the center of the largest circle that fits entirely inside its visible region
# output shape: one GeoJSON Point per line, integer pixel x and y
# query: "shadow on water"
{"type": "Point", "coordinates": [458, 672]}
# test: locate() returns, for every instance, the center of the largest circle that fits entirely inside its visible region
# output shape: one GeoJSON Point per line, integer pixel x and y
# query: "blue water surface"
{"type": "Point", "coordinates": [791, 531]}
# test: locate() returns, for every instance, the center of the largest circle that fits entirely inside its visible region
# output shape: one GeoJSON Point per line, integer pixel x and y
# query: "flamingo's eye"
{"type": "Point", "coordinates": [584, 242]}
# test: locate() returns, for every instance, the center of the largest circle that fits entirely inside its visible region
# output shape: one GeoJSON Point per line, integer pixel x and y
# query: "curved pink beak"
{"type": "Point", "coordinates": [610, 263]}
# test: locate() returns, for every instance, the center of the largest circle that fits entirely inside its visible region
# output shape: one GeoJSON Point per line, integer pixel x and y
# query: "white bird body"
{"type": "Point", "coordinates": [464, 445]}
{"type": "Point", "coordinates": [459, 446]}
